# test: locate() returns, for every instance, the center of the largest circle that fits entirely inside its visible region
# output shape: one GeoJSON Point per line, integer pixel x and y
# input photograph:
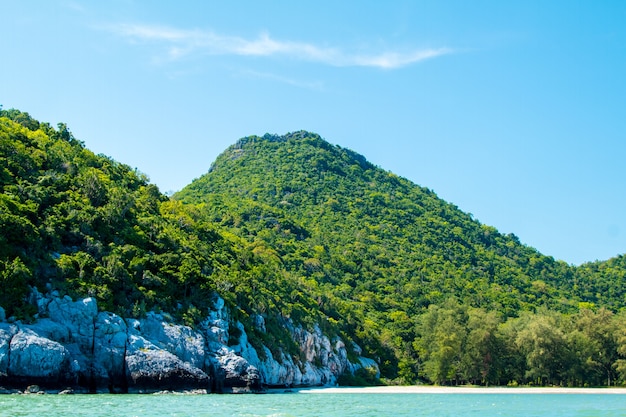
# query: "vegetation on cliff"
{"type": "Point", "coordinates": [87, 225]}
{"type": "Point", "coordinates": [294, 227]}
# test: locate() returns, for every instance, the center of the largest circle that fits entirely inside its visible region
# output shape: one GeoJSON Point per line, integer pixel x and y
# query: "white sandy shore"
{"type": "Point", "coordinates": [423, 389]}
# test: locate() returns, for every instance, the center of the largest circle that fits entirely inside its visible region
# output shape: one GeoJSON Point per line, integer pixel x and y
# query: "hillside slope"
{"type": "Point", "coordinates": [380, 250]}
{"type": "Point", "coordinates": [90, 226]}
{"type": "Point", "coordinates": [370, 232]}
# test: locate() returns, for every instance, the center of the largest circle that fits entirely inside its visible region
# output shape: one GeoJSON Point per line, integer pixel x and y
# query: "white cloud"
{"type": "Point", "coordinates": [182, 42]}
{"type": "Point", "coordinates": [310, 85]}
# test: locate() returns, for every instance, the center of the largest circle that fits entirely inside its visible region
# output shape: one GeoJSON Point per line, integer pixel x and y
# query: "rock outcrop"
{"type": "Point", "coordinates": [74, 345]}
{"type": "Point", "coordinates": [110, 345]}
{"type": "Point", "coordinates": [37, 360]}
{"type": "Point", "coordinates": [163, 356]}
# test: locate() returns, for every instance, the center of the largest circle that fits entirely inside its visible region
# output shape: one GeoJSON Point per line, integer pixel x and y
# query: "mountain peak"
{"type": "Point", "coordinates": [273, 137]}
{"type": "Point", "coordinates": [308, 144]}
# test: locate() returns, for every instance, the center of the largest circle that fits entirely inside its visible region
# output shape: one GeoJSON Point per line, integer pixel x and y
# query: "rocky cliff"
{"type": "Point", "coordinates": [73, 345]}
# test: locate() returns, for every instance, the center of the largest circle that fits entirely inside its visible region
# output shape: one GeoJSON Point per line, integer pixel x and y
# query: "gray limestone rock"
{"type": "Point", "coordinates": [182, 341]}
{"type": "Point", "coordinates": [7, 331]}
{"type": "Point", "coordinates": [77, 346]}
{"type": "Point", "coordinates": [109, 351]}
{"type": "Point", "coordinates": [325, 360]}
{"type": "Point", "coordinates": [35, 358]}
{"type": "Point", "coordinates": [149, 368]}
{"type": "Point", "coordinates": [77, 316]}
{"type": "Point", "coordinates": [51, 330]}
{"type": "Point", "coordinates": [238, 372]}
{"type": "Point", "coordinates": [158, 370]}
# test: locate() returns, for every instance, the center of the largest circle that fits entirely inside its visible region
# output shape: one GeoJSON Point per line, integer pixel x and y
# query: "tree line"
{"type": "Point", "coordinates": [459, 344]}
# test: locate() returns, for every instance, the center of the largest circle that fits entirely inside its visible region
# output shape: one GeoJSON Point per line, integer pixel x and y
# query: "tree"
{"type": "Point", "coordinates": [600, 330]}
{"type": "Point", "coordinates": [481, 356]}
{"type": "Point", "coordinates": [620, 340]}
{"type": "Point", "coordinates": [544, 346]}
{"type": "Point", "coordinates": [441, 337]}
{"type": "Point", "coordinates": [14, 278]}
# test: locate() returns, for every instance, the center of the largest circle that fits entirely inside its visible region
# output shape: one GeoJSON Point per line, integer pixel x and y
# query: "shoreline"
{"type": "Point", "coordinates": [399, 389]}
{"type": "Point", "coordinates": [427, 389]}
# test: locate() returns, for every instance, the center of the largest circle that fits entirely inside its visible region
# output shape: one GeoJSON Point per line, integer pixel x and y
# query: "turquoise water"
{"type": "Point", "coordinates": [283, 405]}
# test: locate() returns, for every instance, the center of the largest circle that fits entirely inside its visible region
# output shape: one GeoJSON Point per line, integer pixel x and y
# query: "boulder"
{"type": "Point", "coordinates": [237, 372]}
{"type": "Point", "coordinates": [158, 370]}
{"type": "Point", "coordinates": [109, 351]}
{"type": "Point", "coordinates": [77, 316]}
{"type": "Point", "coordinates": [36, 359]}
{"type": "Point", "coordinates": [150, 368]}
{"type": "Point", "coordinates": [230, 365]}
{"type": "Point", "coordinates": [50, 330]}
{"type": "Point", "coordinates": [33, 389]}
{"type": "Point", "coordinates": [7, 331]}
{"type": "Point", "coordinates": [181, 341]}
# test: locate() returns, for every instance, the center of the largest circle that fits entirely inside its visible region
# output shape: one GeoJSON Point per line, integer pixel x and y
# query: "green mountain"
{"type": "Point", "coordinates": [379, 252]}
{"type": "Point", "coordinates": [292, 227]}
{"type": "Point", "coordinates": [379, 239]}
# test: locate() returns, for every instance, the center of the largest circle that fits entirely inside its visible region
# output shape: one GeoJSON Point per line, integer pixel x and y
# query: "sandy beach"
{"type": "Point", "coordinates": [425, 389]}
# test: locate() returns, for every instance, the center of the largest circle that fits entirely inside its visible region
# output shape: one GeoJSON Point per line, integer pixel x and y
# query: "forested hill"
{"type": "Point", "coordinates": [334, 217]}
{"type": "Point", "coordinates": [383, 253]}
{"type": "Point", "coordinates": [292, 228]}
{"type": "Point", "coordinates": [85, 225]}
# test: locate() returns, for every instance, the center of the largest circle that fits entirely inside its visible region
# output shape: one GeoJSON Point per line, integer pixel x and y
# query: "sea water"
{"type": "Point", "coordinates": [305, 405]}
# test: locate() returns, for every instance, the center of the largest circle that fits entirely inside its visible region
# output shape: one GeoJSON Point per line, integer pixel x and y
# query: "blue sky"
{"type": "Point", "coordinates": [515, 111]}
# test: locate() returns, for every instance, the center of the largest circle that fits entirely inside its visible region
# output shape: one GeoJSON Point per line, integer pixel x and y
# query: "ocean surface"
{"type": "Point", "coordinates": [361, 405]}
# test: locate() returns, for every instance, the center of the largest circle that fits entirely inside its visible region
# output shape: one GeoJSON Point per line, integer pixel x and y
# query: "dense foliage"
{"type": "Point", "coordinates": [382, 254]}
{"type": "Point", "coordinates": [83, 224]}
{"type": "Point", "coordinates": [292, 227]}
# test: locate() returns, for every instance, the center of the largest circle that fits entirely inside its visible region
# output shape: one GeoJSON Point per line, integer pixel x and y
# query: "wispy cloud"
{"type": "Point", "coordinates": [180, 43]}
{"type": "Point", "coordinates": [310, 85]}
{"type": "Point", "coordinates": [73, 5]}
